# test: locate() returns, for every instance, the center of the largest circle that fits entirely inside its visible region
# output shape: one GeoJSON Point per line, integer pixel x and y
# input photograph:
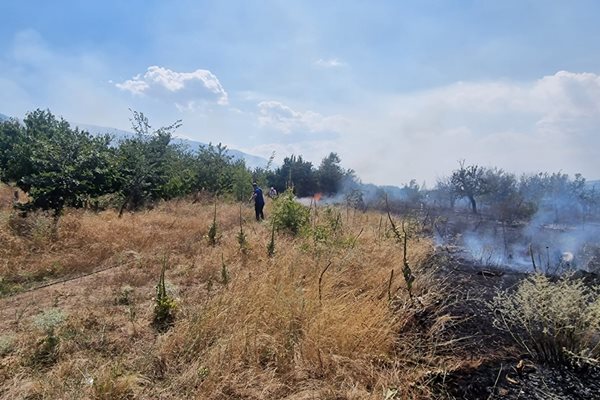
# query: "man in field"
{"type": "Point", "coordinates": [259, 201]}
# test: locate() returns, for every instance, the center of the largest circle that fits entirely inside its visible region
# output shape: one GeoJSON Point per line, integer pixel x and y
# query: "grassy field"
{"type": "Point", "coordinates": [323, 318]}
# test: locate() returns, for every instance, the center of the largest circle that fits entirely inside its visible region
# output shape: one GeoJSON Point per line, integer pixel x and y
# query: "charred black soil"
{"type": "Point", "coordinates": [499, 369]}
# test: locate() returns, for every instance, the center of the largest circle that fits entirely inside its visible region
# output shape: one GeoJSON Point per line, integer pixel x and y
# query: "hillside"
{"type": "Point", "coordinates": [330, 316]}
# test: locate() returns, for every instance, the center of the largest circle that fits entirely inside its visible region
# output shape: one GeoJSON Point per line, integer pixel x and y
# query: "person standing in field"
{"type": "Point", "coordinates": [259, 201]}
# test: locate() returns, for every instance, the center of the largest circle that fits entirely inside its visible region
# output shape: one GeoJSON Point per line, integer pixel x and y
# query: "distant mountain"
{"type": "Point", "coordinates": [252, 161]}
{"type": "Point", "coordinates": [3, 117]}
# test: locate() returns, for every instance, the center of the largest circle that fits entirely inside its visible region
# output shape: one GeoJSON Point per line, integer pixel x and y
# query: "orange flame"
{"type": "Point", "coordinates": [317, 196]}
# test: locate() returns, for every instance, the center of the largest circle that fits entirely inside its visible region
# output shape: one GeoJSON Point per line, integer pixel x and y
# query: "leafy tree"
{"type": "Point", "coordinates": [142, 162]}
{"type": "Point", "coordinates": [296, 173]}
{"type": "Point", "coordinates": [468, 181]}
{"type": "Point", "coordinates": [330, 175]}
{"type": "Point", "coordinates": [58, 166]}
{"type": "Point", "coordinates": [214, 172]}
{"type": "Point", "coordinates": [11, 133]}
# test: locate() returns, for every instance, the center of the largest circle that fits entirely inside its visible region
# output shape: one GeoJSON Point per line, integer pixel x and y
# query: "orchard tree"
{"type": "Point", "coordinates": [142, 162]}
{"type": "Point", "coordinates": [468, 181]}
{"type": "Point", "coordinates": [58, 166]}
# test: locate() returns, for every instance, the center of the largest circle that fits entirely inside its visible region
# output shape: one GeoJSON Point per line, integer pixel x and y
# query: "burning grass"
{"type": "Point", "coordinates": [319, 319]}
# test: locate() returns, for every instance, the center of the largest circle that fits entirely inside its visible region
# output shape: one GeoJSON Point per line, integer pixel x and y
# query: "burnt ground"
{"type": "Point", "coordinates": [500, 369]}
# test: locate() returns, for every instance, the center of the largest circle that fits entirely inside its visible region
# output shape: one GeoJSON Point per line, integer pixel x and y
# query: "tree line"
{"type": "Point", "coordinates": [60, 166]}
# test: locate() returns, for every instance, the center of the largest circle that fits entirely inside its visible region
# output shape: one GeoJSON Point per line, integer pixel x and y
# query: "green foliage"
{"type": "Point", "coordinates": [164, 305]}
{"type": "Point", "coordinates": [330, 175]}
{"type": "Point", "coordinates": [58, 166]}
{"type": "Point", "coordinates": [11, 133]}
{"type": "Point", "coordinates": [555, 322]}
{"type": "Point", "coordinates": [142, 163]}
{"type": "Point", "coordinates": [288, 214]}
{"type": "Point", "coordinates": [306, 180]}
{"type": "Point", "coordinates": [214, 169]}
{"type": "Point", "coordinates": [329, 227]}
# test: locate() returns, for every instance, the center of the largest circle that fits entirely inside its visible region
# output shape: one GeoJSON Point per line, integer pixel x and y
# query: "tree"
{"type": "Point", "coordinates": [469, 182]}
{"type": "Point", "coordinates": [214, 172]}
{"type": "Point", "coordinates": [58, 166]}
{"type": "Point", "coordinates": [11, 133]}
{"type": "Point", "coordinates": [296, 173]}
{"type": "Point", "coordinates": [330, 175]}
{"type": "Point", "coordinates": [142, 162]}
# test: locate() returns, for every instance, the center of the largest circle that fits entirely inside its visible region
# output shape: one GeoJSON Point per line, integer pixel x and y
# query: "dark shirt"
{"type": "Point", "coordinates": [259, 200]}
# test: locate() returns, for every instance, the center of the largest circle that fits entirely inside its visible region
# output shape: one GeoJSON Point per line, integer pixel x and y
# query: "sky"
{"type": "Point", "coordinates": [400, 90]}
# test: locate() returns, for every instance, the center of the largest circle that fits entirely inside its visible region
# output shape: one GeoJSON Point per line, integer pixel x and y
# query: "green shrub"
{"type": "Point", "coordinates": [288, 214]}
{"type": "Point", "coordinates": [46, 352]}
{"type": "Point", "coordinates": [555, 322]}
{"type": "Point", "coordinates": [6, 344]}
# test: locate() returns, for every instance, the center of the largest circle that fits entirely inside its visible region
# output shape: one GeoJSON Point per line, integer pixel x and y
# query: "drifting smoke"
{"type": "Point", "coordinates": [555, 240]}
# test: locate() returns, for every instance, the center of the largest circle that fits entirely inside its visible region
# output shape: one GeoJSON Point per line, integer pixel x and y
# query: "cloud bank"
{"type": "Point", "coordinates": [187, 89]}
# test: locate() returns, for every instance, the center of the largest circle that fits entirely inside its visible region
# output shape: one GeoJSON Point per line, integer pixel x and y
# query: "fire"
{"type": "Point", "coordinates": [317, 197]}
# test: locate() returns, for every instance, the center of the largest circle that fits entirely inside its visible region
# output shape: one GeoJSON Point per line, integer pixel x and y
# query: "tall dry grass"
{"type": "Point", "coordinates": [314, 321]}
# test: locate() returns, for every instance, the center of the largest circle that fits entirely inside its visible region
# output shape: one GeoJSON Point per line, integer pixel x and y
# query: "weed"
{"type": "Point", "coordinates": [555, 322]}
{"type": "Point", "coordinates": [124, 298]}
{"type": "Point", "coordinates": [241, 237]}
{"type": "Point", "coordinates": [224, 272]}
{"type": "Point", "coordinates": [402, 237]}
{"type": "Point", "coordinates": [271, 245]}
{"type": "Point", "coordinates": [164, 306]}
{"type": "Point", "coordinates": [212, 231]}
{"type": "Point", "coordinates": [46, 352]}
{"type": "Point", "coordinates": [6, 345]}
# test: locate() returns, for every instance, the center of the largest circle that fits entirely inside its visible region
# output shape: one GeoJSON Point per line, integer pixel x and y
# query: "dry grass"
{"type": "Point", "coordinates": [265, 334]}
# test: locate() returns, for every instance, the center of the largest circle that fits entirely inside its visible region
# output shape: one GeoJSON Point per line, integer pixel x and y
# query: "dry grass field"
{"type": "Point", "coordinates": [319, 320]}
{"type": "Point", "coordinates": [328, 316]}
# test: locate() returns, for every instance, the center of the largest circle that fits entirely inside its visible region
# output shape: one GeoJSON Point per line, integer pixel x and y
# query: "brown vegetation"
{"type": "Point", "coordinates": [261, 333]}
{"type": "Point", "coordinates": [328, 316]}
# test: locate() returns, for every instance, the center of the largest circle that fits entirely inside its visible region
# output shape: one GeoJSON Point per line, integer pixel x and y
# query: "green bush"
{"type": "Point", "coordinates": [288, 214]}
{"type": "Point", "coordinates": [555, 322]}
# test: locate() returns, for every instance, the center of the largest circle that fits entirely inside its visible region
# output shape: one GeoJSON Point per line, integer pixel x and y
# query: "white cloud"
{"type": "Point", "coordinates": [329, 63]}
{"type": "Point", "coordinates": [278, 116]}
{"type": "Point", "coordinates": [187, 89]}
